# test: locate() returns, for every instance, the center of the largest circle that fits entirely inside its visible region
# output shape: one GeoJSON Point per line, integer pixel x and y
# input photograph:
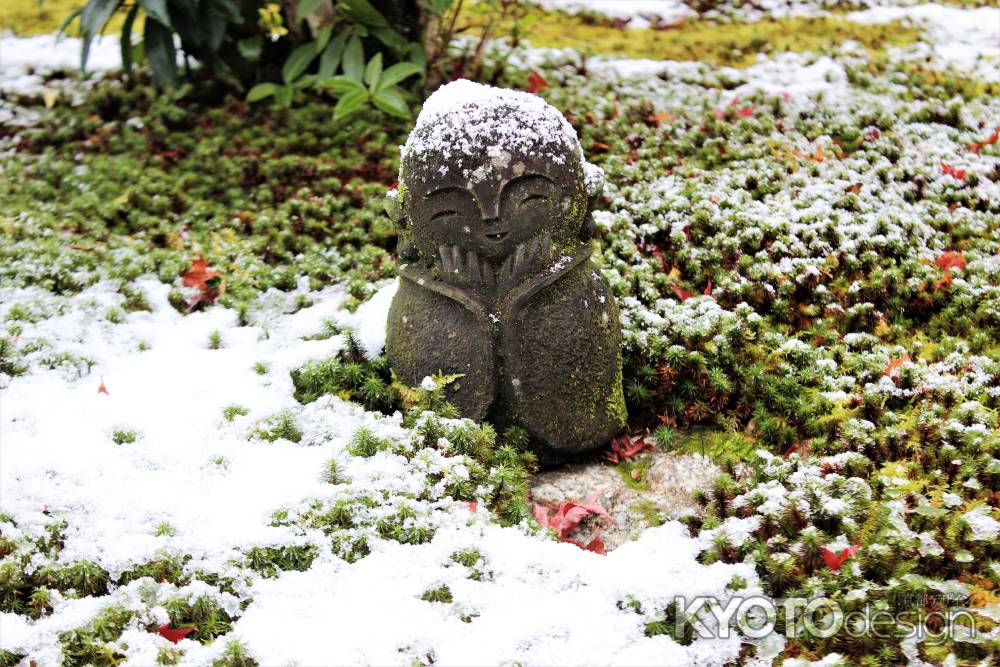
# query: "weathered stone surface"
{"type": "Point", "coordinates": [493, 214]}
{"type": "Point", "coordinates": [664, 493]}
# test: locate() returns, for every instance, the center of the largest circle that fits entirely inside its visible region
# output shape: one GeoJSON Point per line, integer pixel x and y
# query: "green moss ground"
{"type": "Point", "coordinates": [730, 43]}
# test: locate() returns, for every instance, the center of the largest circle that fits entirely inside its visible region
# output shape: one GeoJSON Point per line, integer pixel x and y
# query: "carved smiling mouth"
{"type": "Point", "coordinates": [496, 236]}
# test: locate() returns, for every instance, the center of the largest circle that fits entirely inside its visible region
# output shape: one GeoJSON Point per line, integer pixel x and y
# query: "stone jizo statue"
{"type": "Point", "coordinates": [493, 215]}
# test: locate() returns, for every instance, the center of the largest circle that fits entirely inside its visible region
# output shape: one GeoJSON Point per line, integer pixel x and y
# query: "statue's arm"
{"type": "Point", "coordinates": [518, 297]}
{"type": "Point", "coordinates": [426, 279]}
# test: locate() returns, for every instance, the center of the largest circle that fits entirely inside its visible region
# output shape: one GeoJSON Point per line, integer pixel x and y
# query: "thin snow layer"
{"type": "Point", "coordinates": [545, 603]}
{"type": "Point", "coordinates": [644, 13]}
{"type": "Point", "coordinates": [463, 118]}
{"type": "Point", "coordinates": [637, 13]}
{"type": "Point", "coordinates": [189, 467]}
{"type": "Point", "coordinates": [23, 60]}
{"type": "Point", "coordinates": [969, 39]}
{"type": "Point", "coordinates": [217, 487]}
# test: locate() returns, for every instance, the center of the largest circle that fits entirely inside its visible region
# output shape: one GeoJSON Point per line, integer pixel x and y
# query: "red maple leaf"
{"type": "Point", "coordinates": [174, 634]}
{"type": "Point", "coordinates": [658, 118]}
{"type": "Point", "coordinates": [682, 294]}
{"type": "Point", "coordinates": [596, 545]}
{"type": "Point", "coordinates": [472, 505]}
{"type": "Point", "coordinates": [950, 260]}
{"type": "Point", "coordinates": [623, 448]}
{"type": "Point", "coordinates": [947, 261]}
{"type": "Point", "coordinates": [953, 171]}
{"type": "Point", "coordinates": [833, 561]}
{"type": "Point", "coordinates": [209, 283]}
{"type": "Point", "coordinates": [536, 82]}
{"type": "Point", "coordinates": [977, 146]}
{"type": "Point", "coordinates": [199, 274]}
{"type": "Point", "coordinates": [569, 514]}
{"type": "Point", "coordinates": [801, 448]}
{"type": "Point", "coordinates": [102, 389]}
{"type": "Point", "coordinates": [892, 368]}
{"type": "Point", "coordinates": [654, 250]}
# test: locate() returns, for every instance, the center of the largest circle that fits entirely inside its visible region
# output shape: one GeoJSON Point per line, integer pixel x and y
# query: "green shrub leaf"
{"type": "Point", "coordinates": [343, 84]}
{"type": "Point", "coordinates": [373, 71]}
{"type": "Point", "coordinates": [354, 59]}
{"type": "Point", "coordinates": [391, 101]}
{"type": "Point", "coordinates": [261, 91]}
{"type": "Point", "coordinates": [157, 9]}
{"type": "Point", "coordinates": [126, 39]}
{"type": "Point", "coordinates": [349, 103]}
{"type": "Point", "coordinates": [329, 61]}
{"type": "Point", "coordinates": [93, 18]}
{"type": "Point", "coordinates": [362, 11]}
{"type": "Point", "coordinates": [284, 95]}
{"type": "Point", "coordinates": [397, 73]}
{"type": "Point", "coordinates": [307, 8]}
{"type": "Point", "coordinates": [160, 52]}
{"type": "Point", "coordinates": [298, 62]}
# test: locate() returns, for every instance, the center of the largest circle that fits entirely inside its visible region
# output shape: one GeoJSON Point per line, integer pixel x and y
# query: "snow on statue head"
{"type": "Point", "coordinates": [485, 170]}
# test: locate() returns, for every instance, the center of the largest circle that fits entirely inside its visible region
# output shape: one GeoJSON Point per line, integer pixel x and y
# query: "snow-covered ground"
{"type": "Point", "coordinates": [968, 39]}
{"type": "Point", "coordinates": [216, 487]}
{"type": "Point", "coordinates": [197, 483]}
{"type": "Point", "coordinates": [24, 59]}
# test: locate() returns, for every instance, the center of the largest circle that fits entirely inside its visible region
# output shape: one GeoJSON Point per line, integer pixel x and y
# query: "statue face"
{"type": "Point", "coordinates": [492, 215]}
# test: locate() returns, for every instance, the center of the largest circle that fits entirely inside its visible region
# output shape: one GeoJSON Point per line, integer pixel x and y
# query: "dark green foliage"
{"type": "Point", "coordinates": [29, 594]}
{"type": "Point", "coordinates": [349, 375]}
{"type": "Point", "coordinates": [208, 30]}
{"type": "Point", "coordinates": [10, 659]}
{"type": "Point", "coordinates": [271, 561]}
{"type": "Point", "coordinates": [365, 444]}
{"type": "Point", "coordinates": [682, 632]}
{"type": "Point", "coordinates": [202, 613]}
{"type": "Point", "coordinates": [91, 643]}
{"type": "Point", "coordinates": [9, 363]}
{"type": "Point", "coordinates": [235, 655]}
{"type": "Point", "coordinates": [166, 567]}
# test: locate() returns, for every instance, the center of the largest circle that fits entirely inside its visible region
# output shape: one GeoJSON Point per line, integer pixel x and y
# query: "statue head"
{"type": "Point", "coordinates": [486, 169]}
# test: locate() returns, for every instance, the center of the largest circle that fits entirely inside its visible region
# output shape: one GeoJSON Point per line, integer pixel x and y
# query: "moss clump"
{"type": "Point", "coordinates": [235, 655]}
{"type": "Point", "coordinates": [93, 643]}
{"type": "Point", "coordinates": [203, 613]}
{"type": "Point", "coordinates": [672, 624]}
{"type": "Point", "coordinates": [439, 594]}
{"type": "Point", "coordinates": [281, 426]}
{"type": "Point", "coordinates": [124, 436]}
{"type": "Point", "coordinates": [349, 375]}
{"type": "Point", "coordinates": [231, 412]}
{"type": "Point", "coordinates": [733, 44]}
{"type": "Point", "coordinates": [271, 561]}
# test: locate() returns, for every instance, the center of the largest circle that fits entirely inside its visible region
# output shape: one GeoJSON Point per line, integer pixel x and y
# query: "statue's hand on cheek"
{"type": "Point", "coordinates": [529, 257]}
{"type": "Point", "coordinates": [463, 268]}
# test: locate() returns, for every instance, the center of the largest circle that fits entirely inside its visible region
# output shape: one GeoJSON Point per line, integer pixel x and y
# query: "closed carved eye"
{"type": "Point", "coordinates": [440, 215]}
{"type": "Point", "coordinates": [534, 198]}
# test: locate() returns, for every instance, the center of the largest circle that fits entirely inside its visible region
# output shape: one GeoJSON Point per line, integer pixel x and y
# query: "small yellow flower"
{"type": "Point", "coordinates": [271, 22]}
